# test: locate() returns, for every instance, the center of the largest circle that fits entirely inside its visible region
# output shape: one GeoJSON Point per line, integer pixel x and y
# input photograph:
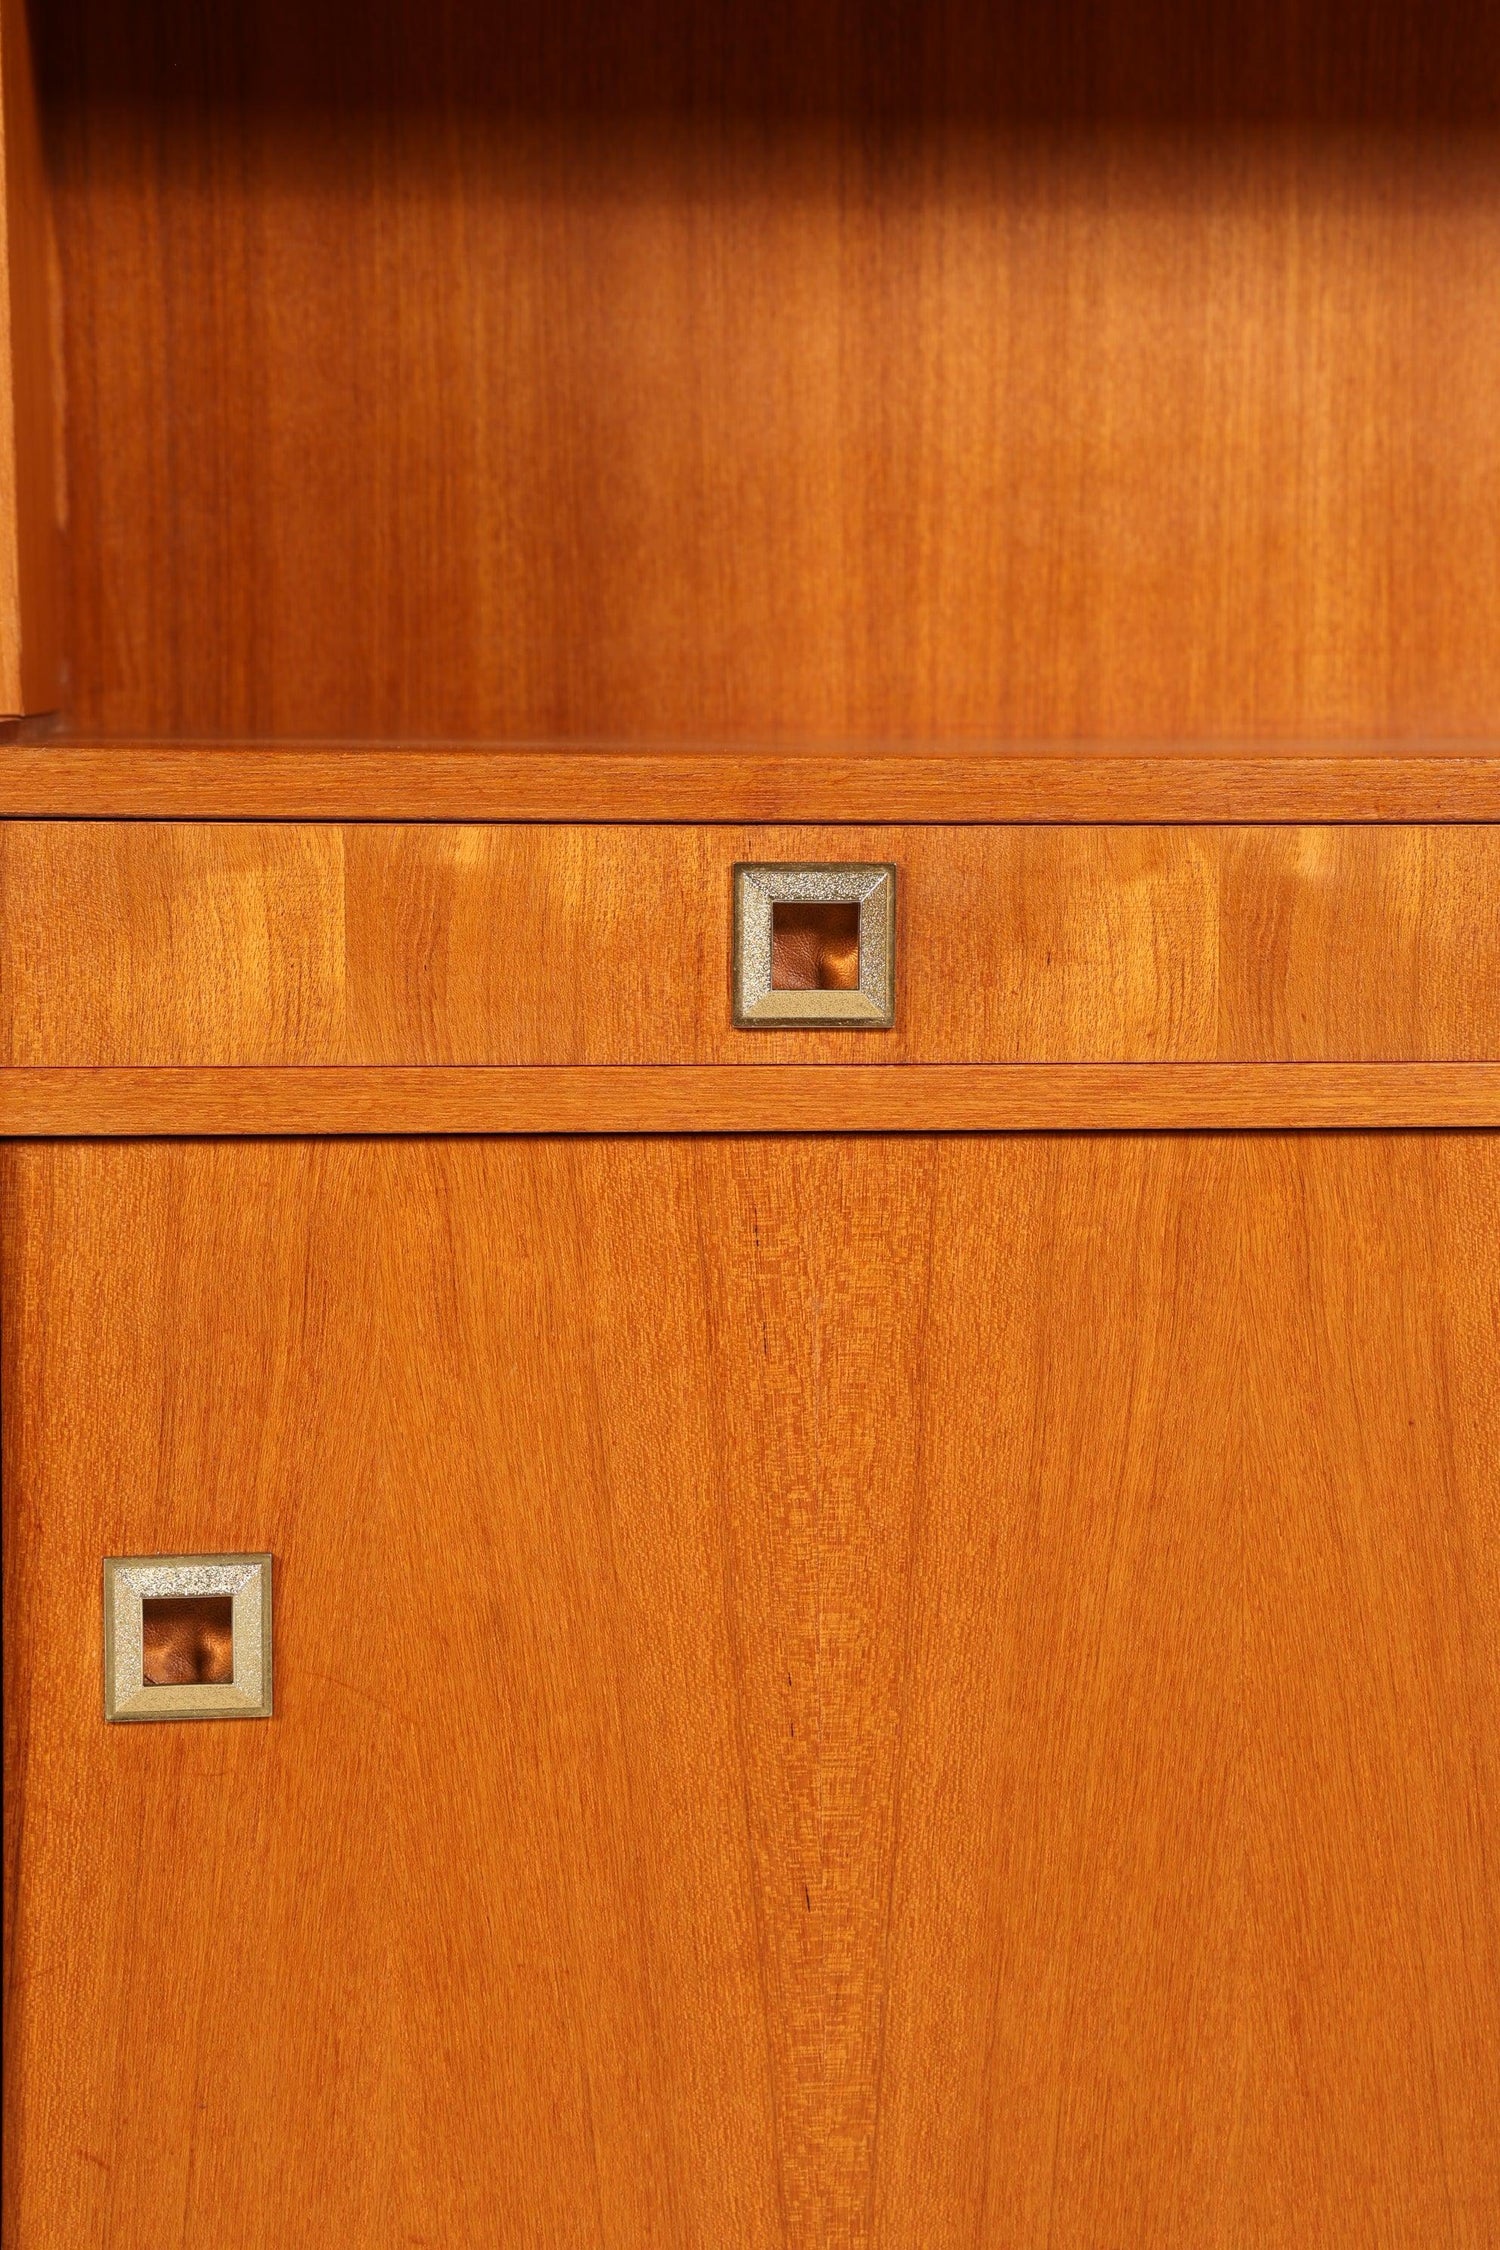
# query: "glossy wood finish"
{"type": "Point", "coordinates": [840, 1687]}
{"type": "Point", "coordinates": [59, 777]}
{"type": "Point", "coordinates": [547, 370]}
{"type": "Point", "coordinates": [246, 944]}
{"type": "Point", "coordinates": [30, 587]}
{"type": "Point", "coordinates": [389, 1098]}
{"type": "Point", "coordinates": [770, 1748]}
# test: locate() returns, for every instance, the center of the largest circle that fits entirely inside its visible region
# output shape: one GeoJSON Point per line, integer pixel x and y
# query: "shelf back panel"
{"type": "Point", "coordinates": [684, 372]}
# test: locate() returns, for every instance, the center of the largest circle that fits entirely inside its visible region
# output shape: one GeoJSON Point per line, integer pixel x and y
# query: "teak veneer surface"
{"type": "Point", "coordinates": [61, 777]}
{"type": "Point", "coordinates": [850, 1689]}
{"type": "Point", "coordinates": [243, 1101]}
{"type": "Point", "coordinates": [779, 1740]}
{"type": "Point", "coordinates": [30, 588]}
{"type": "Point", "coordinates": [237, 943]}
{"type": "Point", "coordinates": [543, 370]}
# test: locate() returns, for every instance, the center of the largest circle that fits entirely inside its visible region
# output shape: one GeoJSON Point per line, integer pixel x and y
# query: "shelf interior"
{"type": "Point", "coordinates": [797, 372]}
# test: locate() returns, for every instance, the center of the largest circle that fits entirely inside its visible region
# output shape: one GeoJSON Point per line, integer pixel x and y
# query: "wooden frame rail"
{"type": "Point", "coordinates": [1160, 783]}
{"type": "Point", "coordinates": [43, 1103]}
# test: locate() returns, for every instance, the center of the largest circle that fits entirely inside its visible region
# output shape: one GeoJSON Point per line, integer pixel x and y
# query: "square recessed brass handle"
{"type": "Point", "coordinates": [187, 1637]}
{"type": "Point", "coordinates": [815, 946]}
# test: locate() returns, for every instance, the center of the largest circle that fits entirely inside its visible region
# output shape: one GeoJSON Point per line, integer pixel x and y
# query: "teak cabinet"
{"type": "Point", "coordinates": [873, 1636]}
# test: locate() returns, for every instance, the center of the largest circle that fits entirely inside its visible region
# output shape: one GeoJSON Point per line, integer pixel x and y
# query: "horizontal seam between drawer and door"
{"type": "Point", "coordinates": [235, 1100]}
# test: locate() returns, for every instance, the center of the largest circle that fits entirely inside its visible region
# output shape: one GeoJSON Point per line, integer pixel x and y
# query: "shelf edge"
{"type": "Point", "coordinates": [1131, 784]}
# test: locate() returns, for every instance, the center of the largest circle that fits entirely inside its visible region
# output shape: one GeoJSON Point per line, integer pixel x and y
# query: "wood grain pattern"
{"type": "Point", "coordinates": [389, 1098]}
{"type": "Point", "coordinates": [242, 944]}
{"type": "Point", "coordinates": [1366, 1428]}
{"type": "Point", "coordinates": [60, 778]}
{"type": "Point", "coordinates": [546, 371]}
{"type": "Point", "coordinates": [779, 1740]}
{"type": "Point", "coordinates": [30, 587]}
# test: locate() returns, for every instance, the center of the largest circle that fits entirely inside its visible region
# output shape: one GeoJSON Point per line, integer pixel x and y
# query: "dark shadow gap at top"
{"type": "Point", "coordinates": [1419, 64]}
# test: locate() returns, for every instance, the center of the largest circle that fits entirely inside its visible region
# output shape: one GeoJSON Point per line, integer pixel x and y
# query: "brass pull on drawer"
{"type": "Point", "coordinates": [814, 947]}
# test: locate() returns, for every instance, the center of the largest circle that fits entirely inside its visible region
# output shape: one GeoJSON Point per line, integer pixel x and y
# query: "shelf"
{"type": "Point", "coordinates": [64, 777]}
{"type": "Point", "coordinates": [544, 373]}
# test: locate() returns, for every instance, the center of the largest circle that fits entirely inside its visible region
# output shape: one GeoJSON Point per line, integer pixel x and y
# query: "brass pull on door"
{"type": "Point", "coordinates": [187, 1637]}
{"type": "Point", "coordinates": [815, 947]}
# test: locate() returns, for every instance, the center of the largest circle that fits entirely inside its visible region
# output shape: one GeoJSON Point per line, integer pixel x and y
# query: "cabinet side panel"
{"type": "Point", "coordinates": [30, 586]}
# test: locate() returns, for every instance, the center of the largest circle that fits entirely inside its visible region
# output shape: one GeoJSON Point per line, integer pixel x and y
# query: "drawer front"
{"type": "Point", "coordinates": [303, 943]}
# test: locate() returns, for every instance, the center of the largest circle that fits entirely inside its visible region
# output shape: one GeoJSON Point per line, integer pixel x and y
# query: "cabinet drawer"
{"type": "Point", "coordinates": [184, 943]}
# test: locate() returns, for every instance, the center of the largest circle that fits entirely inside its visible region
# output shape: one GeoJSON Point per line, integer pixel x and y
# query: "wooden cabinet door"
{"type": "Point", "coordinates": [901, 1691]}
